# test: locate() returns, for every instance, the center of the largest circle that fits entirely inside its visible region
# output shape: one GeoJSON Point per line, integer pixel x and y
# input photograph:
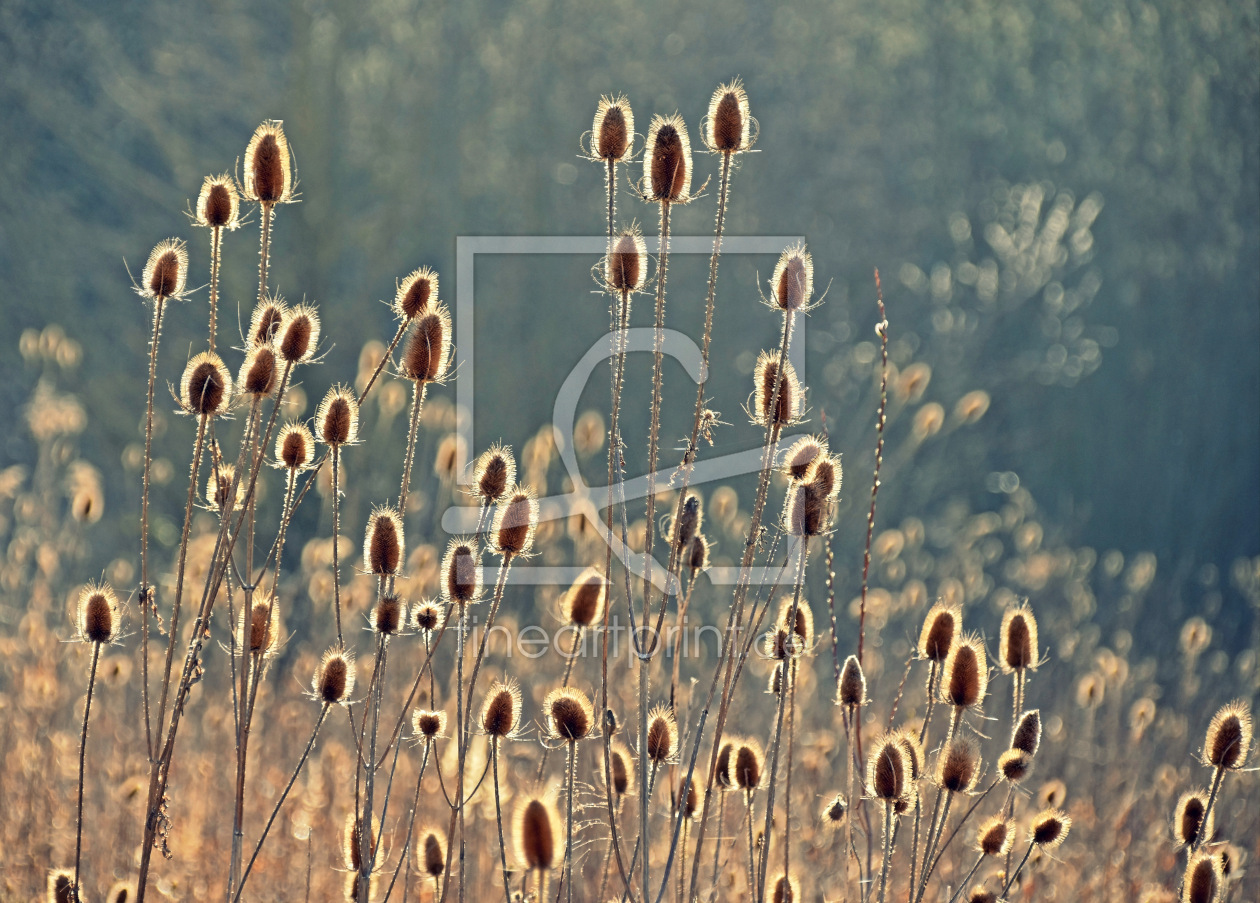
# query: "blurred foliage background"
{"type": "Point", "coordinates": [931, 140]}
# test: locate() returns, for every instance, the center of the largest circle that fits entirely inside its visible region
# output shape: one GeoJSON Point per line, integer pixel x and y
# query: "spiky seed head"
{"type": "Point", "coordinates": [690, 801]}
{"type": "Point", "coordinates": [958, 765]}
{"type": "Point", "coordinates": [886, 770]}
{"type": "Point", "coordinates": [1018, 650]}
{"type": "Point", "coordinates": [257, 376]}
{"type": "Point", "coordinates": [265, 321]}
{"type": "Point", "coordinates": [515, 522]}
{"type": "Point", "coordinates": [1202, 882]}
{"type": "Point", "coordinates": [428, 353]}
{"type": "Point", "coordinates": [776, 645]}
{"type": "Point", "coordinates": [941, 626]}
{"type": "Point", "coordinates": [121, 892]}
{"type": "Point", "coordinates": [747, 766]}
{"type": "Point", "coordinates": [834, 811]}
{"type": "Point", "coordinates": [298, 334]}
{"type": "Point", "coordinates": [569, 714]}
{"type": "Point", "coordinates": [698, 554]}
{"type": "Point", "coordinates": [431, 853]}
{"type": "Point", "coordinates": [536, 829]}
{"type": "Point", "coordinates": [613, 130]}
{"type": "Point", "coordinates": [166, 271]}
{"type": "Point", "coordinates": [493, 473]}
{"type": "Point", "coordinates": [1188, 826]}
{"type": "Point", "coordinates": [905, 802]}
{"type": "Point", "coordinates": [295, 446]}
{"type": "Point", "coordinates": [501, 711]}
{"type": "Point", "coordinates": [786, 889]}
{"type": "Point", "coordinates": [206, 387]}
{"type": "Point", "coordinates": [619, 763]}
{"type": "Point", "coordinates": [852, 689]}
{"type": "Point", "coordinates": [825, 476]}
{"type": "Point", "coordinates": [259, 630]}
{"type": "Point", "coordinates": [793, 279]}
{"type": "Point", "coordinates": [61, 886]}
{"type": "Point", "coordinates": [966, 674]}
{"type": "Point", "coordinates": [723, 777]}
{"type": "Point", "coordinates": [416, 293]}
{"type": "Point", "coordinates": [690, 520]}
{"type": "Point", "coordinates": [625, 270]}
{"type": "Point", "coordinates": [269, 165]}
{"type": "Point", "coordinates": [787, 408]}
{"type": "Point", "coordinates": [461, 572]}
{"type": "Point", "coordinates": [1229, 736]}
{"type": "Point", "coordinates": [981, 894]}
{"type": "Point", "coordinates": [728, 127]}
{"type": "Point", "coordinates": [807, 506]}
{"type": "Point", "coordinates": [427, 616]}
{"type": "Point", "coordinates": [218, 205]}
{"type": "Point", "coordinates": [218, 484]}
{"type": "Point", "coordinates": [1049, 828]}
{"type": "Point", "coordinates": [428, 723]}
{"type": "Point", "coordinates": [337, 417]}
{"type": "Point", "coordinates": [799, 457]}
{"type": "Point", "coordinates": [662, 735]}
{"type": "Point", "coordinates": [334, 678]}
{"type": "Point", "coordinates": [803, 629]}
{"type": "Point", "coordinates": [912, 750]}
{"type": "Point", "coordinates": [98, 613]}
{"type": "Point", "coordinates": [667, 160]}
{"type": "Point", "coordinates": [352, 841]}
{"type": "Point", "coordinates": [1015, 765]}
{"type": "Point", "coordinates": [389, 615]}
{"type": "Point", "coordinates": [995, 836]}
{"type": "Point", "coordinates": [583, 604]}
{"type": "Point", "coordinates": [383, 542]}
{"type": "Point", "coordinates": [611, 725]}
{"type": "Point", "coordinates": [1027, 734]}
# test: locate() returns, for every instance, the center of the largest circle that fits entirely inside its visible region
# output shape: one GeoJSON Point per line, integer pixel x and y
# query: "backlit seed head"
{"type": "Point", "coordinates": [613, 130]}
{"type": "Point", "coordinates": [803, 629]}
{"type": "Point", "coordinates": [258, 632]}
{"type": "Point", "coordinates": [914, 755]}
{"type": "Point", "coordinates": [269, 165]}
{"type": "Point", "coordinates": [852, 689]}
{"type": "Point", "coordinates": [334, 678]}
{"type": "Point", "coordinates": [723, 777]}
{"type": "Point", "coordinates": [206, 387]}
{"type": "Point", "coordinates": [610, 723]}
{"type": "Point", "coordinates": [787, 406]}
{"type": "Point", "coordinates": [257, 377]}
{"type": "Point", "coordinates": [1203, 879]}
{"type": "Point", "coordinates": [689, 521]}
{"type": "Point", "coordinates": [966, 677]}
{"type": "Point", "coordinates": [1229, 737]}
{"type": "Point", "coordinates": [431, 853]}
{"type": "Point", "coordinates": [941, 626]}
{"type": "Point", "coordinates": [797, 461]}
{"type": "Point", "coordinates": [667, 161]}
{"type": "Point", "coordinates": [265, 322]}
{"type": "Point", "coordinates": [808, 505]}
{"type": "Point", "coordinates": [746, 769]}
{"type": "Point", "coordinates": [352, 842]}
{"type": "Point", "coordinates": [1027, 735]}
{"type": "Point", "coordinates": [621, 766]}
{"type": "Point", "coordinates": [295, 446]}
{"type": "Point", "coordinates": [515, 522]}
{"type": "Point", "coordinates": [416, 293]}
{"type": "Point", "coordinates": [427, 617]}
{"type": "Point", "coordinates": [958, 765]}
{"type": "Point", "coordinates": [427, 356]}
{"type": "Point", "coordinates": [583, 604]}
{"type": "Point", "coordinates": [428, 723]}
{"type": "Point", "coordinates": [662, 735]}
{"type": "Point", "coordinates": [698, 554]}
{"type": "Point", "coordinates": [792, 283]}
{"type": "Point", "coordinates": [786, 889]}
{"type": "Point", "coordinates": [834, 811]}
{"type": "Point", "coordinates": [493, 473]}
{"type": "Point", "coordinates": [776, 646]}
{"type": "Point", "coordinates": [995, 836]}
{"type": "Point", "coordinates": [121, 892]}
{"type": "Point", "coordinates": [218, 484]}
{"type": "Point", "coordinates": [61, 886]}
{"type": "Point", "coordinates": [98, 613]}
{"type": "Point", "coordinates": [569, 714]}
{"type": "Point", "coordinates": [218, 205]}
{"type": "Point", "coordinates": [1049, 828]}
{"type": "Point", "coordinates": [886, 770]}
{"type": "Point", "coordinates": [980, 894]}
{"type": "Point", "coordinates": [461, 572]}
{"type": "Point", "coordinates": [390, 614]}
{"type": "Point", "coordinates": [625, 268]}
{"type": "Point", "coordinates": [298, 334]}
{"type": "Point", "coordinates": [1018, 649]}
{"type": "Point", "coordinates": [1188, 826]}
{"type": "Point", "coordinates": [166, 271]}
{"type": "Point", "coordinates": [383, 542]}
{"type": "Point", "coordinates": [501, 711]}
{"type": "Point", "coordinates": [1015, 765]}
{"type": "Point", "coordinates": [691, 801]}
{"type": "Point", "coordinates": [536, 829]}
{"type": "Point", "coordinates": [337, 417]}
{"type": "Point", "coordinates": [728, 127]}
{"type": "Point", "coordinates": [825, 476]}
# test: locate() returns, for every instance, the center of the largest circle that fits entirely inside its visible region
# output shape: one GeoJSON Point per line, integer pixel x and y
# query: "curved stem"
{"type": "Point", "coordinates": [146, 591]}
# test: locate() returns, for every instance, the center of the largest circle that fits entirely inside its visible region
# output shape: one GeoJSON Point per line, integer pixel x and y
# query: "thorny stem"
{"type": "Point", "coordinates": [264, 248]}
{"type": "Point", "coordinates": [417, 404]}
{"type": "Point", "coordinates": [962, 885]}
{"type": "Point", "coordinates": [568, 849]}
{"type": "Point", "coordinates": [336, 540]}
{"type": "Point", "coordinates": [216, 244]}
{"type": "Point", "coordinates": [367, 840]}
{"type": "Point", "coordinates": [880, 420]}
{"type": "Point", "coordinates": [1014, 876]}
{"type": "Point", "coordinates": [411, 824]}
{"type": "Point", "coordinates": [498, 817]}
{"type": "Point", "coordinates": [654, 436]}
{"type": "Point", "coordinates": [888, 842]}
{"type": "Point", "coordinates": [87, 711]}
{"type": "Point", "coordinates": [564, 682]}
{"type": "Point", "coordinates": [146, 591]}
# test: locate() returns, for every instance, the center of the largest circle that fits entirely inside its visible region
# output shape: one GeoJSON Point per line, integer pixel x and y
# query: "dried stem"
{"type": "Point", "coordinates": [146, 591]}
{"type": "Point", "coordinates": [87, 711]}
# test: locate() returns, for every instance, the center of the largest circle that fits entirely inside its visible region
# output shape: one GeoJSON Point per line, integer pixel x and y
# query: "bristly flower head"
{"type": "Point", "coordinates": [264, 322]}
{"type": "Point", "coordinates": [427, 357]}
{"type": "Point", "coordinates": [1018, 647]}
{"type": "Point", "coordinates": [257, 377]}
{"type": "Point", "coordinates": [728, 128]}
{"type": "Point", "coordinates": [662, 735]}
{"type": "Point", "coordinates": [416, 293]}
{"type": "Point", "coordinates": [789, 403]}
{"type": "Point", "coordinates": [1229, 737]}
{"type": "Point", "coordinates": [792, 283]}
{"type": "Point", "coordinates": [515, 522]}
{"type": "Point", "coordinates": [583, 604]}
{"type": "Point", "coordinates": [295, 447]}
{"type": "Point", "coordinates": [536, 829]}
{"type": "Point", "coordinates": [612, 134]}
{"type": "Point", "coordinates": [667, 162]}
{"type": "Point", "coordinates": [940, 628]}
{"type": "Point", "coordinates": [625, 267]}
{"type": "Point", "coordinates": [334, 678]}
{"type": "Point", "coordinates": [569, 714]}
{"type": "Point", "coordinates": [206, 387]}
{"type": "Point", "coordinates": [383, 542]}
{"type": "Point", "coordinates": [337, 418]}
{"type": "Point", "coordinates": [493, 473]}
{"type": "Point", "coordinates": [802, 454]}
{"type": "Point", "coordinates": [461, 572]}
{"type": "Point", "coordinates": [428, 724]}
{"type": "Point", "coordinates": [269, 165]}
{"type": "Point", "coordinates": [501, 711]}
{"type": "Point", "coordinates": [298, 334]}
{"type": "Point", "coordinates": [98, 614]}
{"type": "Point", "coordinates": [218, 205]}
{"type": "Point", "coordinates": [966, 677]}
{"type": "Point", "coordinates": [166, 272]}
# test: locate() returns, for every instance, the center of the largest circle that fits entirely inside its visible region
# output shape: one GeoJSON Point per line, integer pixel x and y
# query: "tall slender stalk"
{"type": "Point", "coordinates": [146, 590]}
{"type": "Point", "coordinates": [87, 711]}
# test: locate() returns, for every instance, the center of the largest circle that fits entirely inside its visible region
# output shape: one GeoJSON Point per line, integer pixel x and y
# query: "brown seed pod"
{"type": "Point", "coordinates": [121, 892]}
{"type": "Point", "coordinates": [803, 629]}
{"type": "Point", "coordinates": [1228, 737]}
{"type": "Point", "coordinates": [691, 801]}
{"type": "Point", "coordinates": [337, 417]}
{"type": "Point", "coordinates": [515, 522]}
{"type": "Point", "coordinates": [786, 889]}
{"type": "Point", "coordinates": [834, 811]}
{"type": "Point", "coordinates": [1018, 649]}
{"type": "Point", "coordinates": [747, 766]}
{"type": "Point", "coordinates": [1189, 829]}
{"type": "Point", "coordinates": [852, 689]}
{"type": "Point", "coordinates": [625, 268]}
{"type": "Point", "coordinates": [257, 376]}
{"type": "Point", "coordinates": [1049, 828]}
{"type": "Point", "coordinates": [613, 130]}
{"type": "Point", "coordinates": [295, 446]}
{"type": "Point", "coordinates": [942, 624]}
{"type": "Point", "coordinates": [886, 770]}
{"type": "Point", "coordinates": [966, 674]}
{"type": "Point", "coordinates": [787, 407]}
{"type": "Point", "coordinates": [461, 572]}
{"type": "Point", "coordinates": [269, 165]}
{"type": "Point", "coordinates": [1015, 765]}
{"type": "Point", "coordinates": [728, 127]}
{"type": "Point", "coordinates": [792, 283]}
{"type": "Point", "coordinates": [427, 356]}
{"type": "Point", "coordinates": [298, 334]}
{"type": "Point", "coordinates": [428, 723]}
{"type": "Point", "coordinates": [352, 842]}
{"type": "Point", "coordinates": [583, 604]}
{"type": "Point", "coordinates": [995, 836]}
{"type": "Point", "coordinates": [218, 484]}
{"type": "Point", "coordinates": [166, 271]}
{"type": "Point", "coordinates": [1203, 879]}
{"type": "Point", "coordinates": [619, 762]}
{"type": "Point", "coordinates": [431, 853]}
{"type": "Point", "coordinates": [451, 451]}
{"type": "Point", "coordinates": [390, 614]}
{"type": "Point", "coordinates": [536, 829]}
{"type": "Point", "coordinates": [98, 613]}
{"type": "Point", "coordinates": [265, 321]}
{"type": "Point", "coordinates": [723, 776]}
{"type": "Point", "coordinates": [218, 205]}
{"type": "Point", "coordinates": [501, 711]}
{"type": "Point", "coordinates": [689, 521]}
{"type": "Point", "coordinates": [698, 554]}
{"type": "Point", "coordinates": [799, 457]}
{"type": "Point", "coordinates": [493, 473]}
{"type": "Point", "coordinates": [334, 678]}
{"type": "Point", "coordinates": [662, 735]}
{"type": "Point", "coordinates": [776, 647]}
{"type": "Point", "coordinates": [958, 765]}
{"type": "Point", "coordinates": [383, 542]}
{"type": "Point", "coordinates": [61, 886]}
{"type": "Point", "coordinates": [426, 617]}
{"type": "Point", "coordinates": [569, 714]}
{"type": "Point", "coordinates": [259, 630]}
{"type": "Point", "coordinates": [206, 387]}
{"type": "Point", "coordinates": [416, 292]}
{"type": "Point", "coordinates": [667, 161]}
{"type": "Point", "coordinates": [914, 755]}
{"type": "Point", "coordinates": [807, 505]}
{"type": "Point", "coordinates": [1027, 734]}
{"type": "Point", "coordinates": [979, 894]}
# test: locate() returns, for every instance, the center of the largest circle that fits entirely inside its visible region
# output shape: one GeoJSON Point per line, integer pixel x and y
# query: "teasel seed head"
{"type": "Point", "coordinates": [807, 508]}
{"type": "Point", "coordinates": [166, 272]}
{"type": "Point", "coordinates": [352, 841]}
{"type": "Point", "coordinates": [620, 764]}
{"type": "Point", "coordinates": [1015, 765]}
{"type": "Point", "coordinates": [789, 403]}
{"type": "Point", "coordinates": [612, 133]}
{"type": "Point", "coordinates": [259, 630]}
{"type": "Point", "coordinates": [746, 768]}
{"type": "Point", "coordinates": [834, 810]}
{"type": "Point", "coordinates": [218, 483]}
{"type": "Point", "coordinates": [416, 293]}
{"type": "Point", "coordinates": [802, 454]}
{"type": "Point", "coordinates": [122, 892]}
{"type": "Point", "coordinates": [337, 417]}
{"type": "Point", "coordinates": [728, 128]}
{"type": "Point", "coordinates": [1049, 828]}
{"type": "Point", "coordinates": [958, 765]}
{"type": "Point", "coordinates": [1027, 734]}
{"type": "Point", "coordinates": [662, 735]}
{"type": "Point", "coordinates": [1188, 826]}
{"type": "Point", "coordinates": [461, 572]}
{"type": "Point", "coordinates": [501, 711]}
{"type": "Point", "coordinates": [383, 542]}
{"type": "Point", "coordinates": [667, 161]}
{"type": "Point", "coordinates": [776, 646]}
{"type": "Point", "coordinates": [269, 165]}
{"type": "Point", "coordinates": [295, 446]}
{"type": "Point", "coordinates": [690, 520]}
{"type": "Point", "coordinates": [981, 894]}
{"type": "Point", "coordinates": [98, 613]}
{"type": "Point", "coordinates": [515, 522]}
{"type": "Point", "coordinates": [852, 689]}
{"type": "Point", "coordinates": [427, 616]}
{"type": "Point", "coordinates": [723, 777]}
{"type": "Point", "coordinates": [536, 829]}
{"type": "Point", "coordinates": [389, 615]}
{"type": "Point", "coordinates": [966, 674]}
{"type": "Point", "coordinates": [914, 755]}
{"type": "Point", "coordinates": [690, 801]}
{"type": "Point", "coordinates": [427, 356]}
{"type": "Point", "coordinates": [493, 473]}
{"type": "Point", "coordinates": [786, 889]}
{"type": "Point", "coordinates": [334, 678]}
{"type": "Point", "coordinates": [569, 714]}
{"type": "Point", "coordinates": [583, 604]}
{"type": "Point", "coordinates": [266, 320]}
{"type": "Point", "coordinates": [803, 629]}
{"type": "Point", "coordinates": [995, 836]}
{"type": "Point", "coordinates": [886, 770]}
{"type": "Point", "coordinates": [206, 387]}
{"type": "Point", "coordinates": [257, 376]}
{"type": "Point", "coordinates": [298, 334]}
{"type": "Point", "coordinates": [431, 853]}
{"type": "Point", "coordinates": [1018, 650]}
{"type": "Point", "coordinates": [698, 554]}
{"type": "Point", "coordinates": [1229, 737]}
{"type": "Point", "coordinates": [61, 886]}
{"type": "Point", "coordinates": [1203, 879]}
{"type": "Point", "coordinates": [218, 205]}
{"type": "Point", "coordinates": [940, 628]}
{"type": "Point", "coordinates": [793, 281]}
{"type": "Point", "coordinates": [428, 723]}
{"type": "Point", "coordinates": [625, 268]}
